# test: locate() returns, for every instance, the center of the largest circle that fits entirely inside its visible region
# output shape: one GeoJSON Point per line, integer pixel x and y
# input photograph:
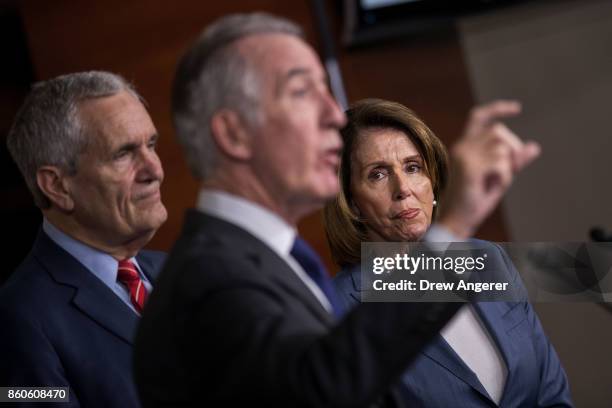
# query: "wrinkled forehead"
{"type": "Point", "coordinates": [114, 119]}
{"type": "Point", "coordinates": [374, 143]}
{"type": "Point", "coordinates": [277, 57]}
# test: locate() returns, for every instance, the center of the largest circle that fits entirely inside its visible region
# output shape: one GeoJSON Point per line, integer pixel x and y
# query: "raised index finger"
{"type": "Point", "coordinates": [484, 116]}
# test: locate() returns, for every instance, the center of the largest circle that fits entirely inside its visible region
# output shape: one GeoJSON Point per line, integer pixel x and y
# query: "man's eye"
{"type": "Point", "coordinates": [121, 154]}
{"type": "Point", "coordinates": [299, 92]}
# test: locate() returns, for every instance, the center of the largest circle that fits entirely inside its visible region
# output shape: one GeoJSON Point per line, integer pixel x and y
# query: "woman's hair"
{"type": "Point", "coordinates": [344, 230]}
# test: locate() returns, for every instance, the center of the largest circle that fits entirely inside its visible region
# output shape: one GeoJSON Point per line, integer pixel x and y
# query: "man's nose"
{"type": "Point", "coordinates": [334, 115]}
{"type": "Point", "coordinates": [150, 166]}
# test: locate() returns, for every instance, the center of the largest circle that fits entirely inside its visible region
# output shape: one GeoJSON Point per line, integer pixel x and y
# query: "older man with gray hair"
{"type": "Point", "coordinates": [85, 145]}
{"type": "Point", "coordinates": [244, 313]}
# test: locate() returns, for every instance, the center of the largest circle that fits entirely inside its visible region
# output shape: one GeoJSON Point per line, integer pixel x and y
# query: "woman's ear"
{"type": "Point", "coordinates": [230, 135]}
{"type": "Point", "coordinates": [55, 187]}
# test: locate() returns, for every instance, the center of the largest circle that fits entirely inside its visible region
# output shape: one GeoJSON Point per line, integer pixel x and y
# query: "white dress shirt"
{"type": "Point", "coordinates": [470, 339]}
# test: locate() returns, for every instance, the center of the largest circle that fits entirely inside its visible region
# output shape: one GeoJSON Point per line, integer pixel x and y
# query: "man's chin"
{"type": "Point", "coordinates": [329, 188]}
{"type": "Point", "coordinates": [162, 214]}
{"type": "Point", "coordinates": [324, 196]}
{"type": "Point", "coordinates": [160, 219]}
{"type": "Point", "coordinates": [155, 211]}
{"type": "Point", "coordinates": [152, 219]}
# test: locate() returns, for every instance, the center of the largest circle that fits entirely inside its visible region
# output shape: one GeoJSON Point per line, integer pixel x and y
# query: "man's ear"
{"type": "Point", "coordinates": [231, 134]}
{"type": "Point", "coordinates": [53, 184]}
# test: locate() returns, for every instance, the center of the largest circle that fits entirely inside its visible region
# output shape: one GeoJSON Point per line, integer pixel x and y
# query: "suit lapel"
{"type": "Point", "coordinates": [268, 261]}
{"type": "Point", "coordinates": [286, 277]}
{"type": "Point", "coordinates": [499, 318]}
{"type": "Point", "coordinates": [103, 306]}
{"type": "Point", "coordinates": [355, 274]}
{"type": "Point", "coordinates": [92, 297]}
{"type": "Point", "coordinates": [443, 354]}
{"type": "Point", "coordinates": [148, 267]}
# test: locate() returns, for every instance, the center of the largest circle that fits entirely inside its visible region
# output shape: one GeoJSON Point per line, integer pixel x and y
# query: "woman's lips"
{"type": "Point", "coordinates": [407, 214]}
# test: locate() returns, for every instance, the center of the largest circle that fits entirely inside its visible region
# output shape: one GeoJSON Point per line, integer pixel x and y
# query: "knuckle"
{"type": "Point", "coordinates": [498, 129]}
{"type": "Point", "coordinates": [477, 113]}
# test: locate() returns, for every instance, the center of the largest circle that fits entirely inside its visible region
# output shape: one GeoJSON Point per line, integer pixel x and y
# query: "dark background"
{"type": "Point", "coordinates": [143, 40]}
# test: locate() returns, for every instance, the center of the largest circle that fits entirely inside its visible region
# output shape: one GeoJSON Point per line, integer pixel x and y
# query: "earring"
{"type": "Point", "coordinates": [435, 202]}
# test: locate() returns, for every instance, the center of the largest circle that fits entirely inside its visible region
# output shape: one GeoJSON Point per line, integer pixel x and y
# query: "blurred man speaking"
{"type": "Point", "coordinates": [85, 145]}
{"type": "Point", "coordinates": [244, 313]}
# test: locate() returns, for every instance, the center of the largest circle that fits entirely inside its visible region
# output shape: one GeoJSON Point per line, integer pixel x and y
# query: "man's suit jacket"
{"type": "Point", "coordinates": [439, 378]}
{"type": "Point", "coordinates": [61, 326]}
{"type": "Point", "coordinates": [230, 324]}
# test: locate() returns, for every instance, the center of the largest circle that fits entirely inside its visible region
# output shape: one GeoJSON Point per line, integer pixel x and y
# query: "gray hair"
{"type": "Point", "coordinates": [213, 75]}
{"type": "Point", "coordinates": [48, 130]}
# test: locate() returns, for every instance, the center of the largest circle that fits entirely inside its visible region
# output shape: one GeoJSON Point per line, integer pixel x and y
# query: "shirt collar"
{"type": "Point", "coordinates": [257, 220]}
{"type": "Point", "coordinates": [101, 264]}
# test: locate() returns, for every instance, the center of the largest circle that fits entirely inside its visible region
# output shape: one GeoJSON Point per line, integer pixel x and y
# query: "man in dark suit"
{"type": "Point", "coordinates": [85, 145]}
{"type": "Point", "coordinates": [243, 313]}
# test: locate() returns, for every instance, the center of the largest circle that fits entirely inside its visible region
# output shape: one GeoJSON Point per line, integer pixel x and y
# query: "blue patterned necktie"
{"type": "Point", "coordinates": [313, 266]}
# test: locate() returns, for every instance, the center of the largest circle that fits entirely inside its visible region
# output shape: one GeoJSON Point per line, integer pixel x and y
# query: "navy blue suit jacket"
{"type": "Point", "coordinates": [439, 378]}
{"type": "Point", "coordinates": [61, 326]}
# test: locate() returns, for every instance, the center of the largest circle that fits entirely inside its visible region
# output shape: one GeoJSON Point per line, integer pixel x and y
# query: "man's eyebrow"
{"type": "Point", "coordinates": [131, 146]}
{"type": "Point", "coordinates": [295, 72]}
{"type": "Point", "coordinates": [292, 73]}
{"type": "Point", "coordinates": [125, 147]}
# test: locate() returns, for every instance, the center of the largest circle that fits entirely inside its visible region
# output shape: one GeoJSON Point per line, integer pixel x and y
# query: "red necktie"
{"type": "Point", "coordinates": [128, 275]}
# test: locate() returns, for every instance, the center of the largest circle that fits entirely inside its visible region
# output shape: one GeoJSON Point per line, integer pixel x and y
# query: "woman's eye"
{"type": "Point", "coordinates": [413, 168]}
{"type": "Point", "coordinates": [376, 175]}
